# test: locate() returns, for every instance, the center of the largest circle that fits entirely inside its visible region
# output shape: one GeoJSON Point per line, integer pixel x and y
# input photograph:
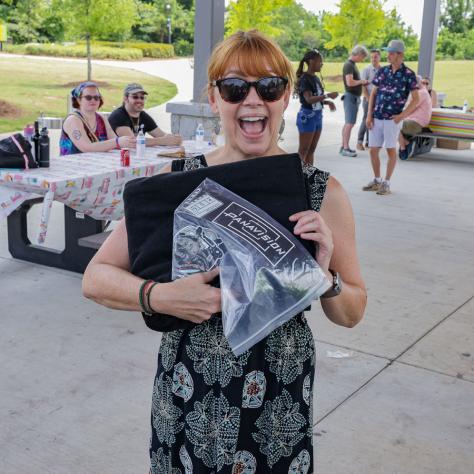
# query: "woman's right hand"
{"type": "Point", "coordinates": [333, 95]}
{"type": "Point", "coordinates": [369, 123]}
{"type": "Point", "coordinates": [191, 298]}
{"type": "Point", "coordinates": [127, 142]}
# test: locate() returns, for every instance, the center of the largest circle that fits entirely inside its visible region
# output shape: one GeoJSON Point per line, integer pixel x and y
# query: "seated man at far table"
{"type": "Point", "coordinates": [130, 117]}
{"type": "Point", "coordinates": [416, 121]}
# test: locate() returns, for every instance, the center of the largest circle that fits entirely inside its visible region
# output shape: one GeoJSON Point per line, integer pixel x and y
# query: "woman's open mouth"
{"type": "Point", "coordinates": [253, 127]}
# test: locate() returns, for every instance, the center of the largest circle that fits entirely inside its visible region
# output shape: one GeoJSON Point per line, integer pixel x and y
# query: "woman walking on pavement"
{"type": "Point", "coordinates": [310, 89]}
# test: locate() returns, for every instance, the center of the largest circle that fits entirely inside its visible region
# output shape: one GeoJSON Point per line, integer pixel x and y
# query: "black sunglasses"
{"type": "Point", "coordinates": [91, 97]}
{"type": "Point", "coordinates": [235, 90]}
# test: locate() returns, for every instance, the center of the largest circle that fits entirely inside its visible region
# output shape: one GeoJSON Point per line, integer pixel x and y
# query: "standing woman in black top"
{"type": "Point", "coordinates": [310, 89]}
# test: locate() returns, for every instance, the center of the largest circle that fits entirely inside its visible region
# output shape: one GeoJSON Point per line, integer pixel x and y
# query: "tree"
{"type": "Point", "coordinates": [300, 30]}
{"type": "Point", "coordinates": [98, 19]}
{"type": "Point", "coordinates": [249, 14]}
{"type": "Point", "coordinates": [358, 21]}
{"type": "Point", "coordinates": [457, 15]}
{"type": "Point", "coordinates": [396, 28]}
{"type": "Point", "coordinates": [153, 16]}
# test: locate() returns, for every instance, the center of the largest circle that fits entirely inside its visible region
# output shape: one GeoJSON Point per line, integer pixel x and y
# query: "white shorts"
{"type": "Point", "coordinates": [384, 133]}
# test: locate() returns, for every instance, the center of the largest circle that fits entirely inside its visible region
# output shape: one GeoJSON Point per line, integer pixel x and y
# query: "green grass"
{"type": "Point", "coordinates": [451, 77]}
{"type": "Point", "coordinates": [39, 85]}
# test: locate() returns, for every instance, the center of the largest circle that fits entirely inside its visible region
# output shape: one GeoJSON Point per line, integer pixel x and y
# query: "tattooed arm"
{"type": "Point", "coordinates": [74, 128]}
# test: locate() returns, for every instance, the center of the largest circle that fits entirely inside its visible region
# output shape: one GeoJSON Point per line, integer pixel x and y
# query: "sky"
{"type": "Point", "coordinates": [411, 11]}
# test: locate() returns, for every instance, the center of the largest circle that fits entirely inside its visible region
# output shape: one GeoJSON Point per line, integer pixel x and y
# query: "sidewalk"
{"type": "Point", "coordinates": [394, 395]}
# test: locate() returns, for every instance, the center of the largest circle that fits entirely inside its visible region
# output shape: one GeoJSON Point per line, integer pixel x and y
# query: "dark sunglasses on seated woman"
{"type": "Point", "coordinates": [91, 97]}
{"type": "Point", "coordinates": [235, 90]}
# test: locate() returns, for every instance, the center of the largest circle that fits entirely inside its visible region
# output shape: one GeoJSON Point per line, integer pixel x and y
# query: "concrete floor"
{"type": "Point", "coordinates": [393, 395]}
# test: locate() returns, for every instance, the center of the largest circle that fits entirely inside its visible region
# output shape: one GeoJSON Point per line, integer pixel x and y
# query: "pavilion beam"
{"type": "Point", "coordinates": [208, 31]}
{"type": "Point", "coordinates": [429, 37]}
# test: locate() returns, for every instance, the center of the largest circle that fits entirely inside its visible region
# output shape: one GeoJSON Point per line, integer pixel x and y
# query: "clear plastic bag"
{"type": "Point", "coordinates": [266, 275]}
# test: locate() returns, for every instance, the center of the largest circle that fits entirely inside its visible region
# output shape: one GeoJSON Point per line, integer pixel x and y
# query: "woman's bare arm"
{"type": "Point", "coordinates": [346, 309]}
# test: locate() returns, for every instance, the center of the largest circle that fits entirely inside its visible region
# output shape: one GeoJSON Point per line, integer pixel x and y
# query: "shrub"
{"type": "Point", "coordinates": [149, 50]}
{"type": "Point", "coordinates": [79, 51]}
{"type": "Point", "coordinates": [183, 47]}
{"type": "Point", "coordinates": [14, 48]}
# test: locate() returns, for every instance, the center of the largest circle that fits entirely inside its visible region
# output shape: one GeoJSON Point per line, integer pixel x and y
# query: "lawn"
{"type": "Point", "coordinates": [32, 86]}
{"type": "Point", "coordinates": [451, 77]}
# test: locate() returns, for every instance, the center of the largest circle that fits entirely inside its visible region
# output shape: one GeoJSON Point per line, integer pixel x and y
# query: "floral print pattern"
{"type": "Point", "coordinates": [279, 427]}
{"type": "Point", "coordinates": [214, 413]}
{"type": "Point", "coordinates": [214, 429]}
{"type": "Point", "coordinates": [212, 354]}
{"type": "Point", "coordinates": [288, 348]}
{"type": "Point", "coordinates": [244, 463]}
{"type": "Point", "coordinates": [165, 413]}
{"type": "Point", "coordinates": [254, 389]}
{"type": "Point", "coordinates": [183, 384]}
{"type": "Point", "coordinates": [301, 464]}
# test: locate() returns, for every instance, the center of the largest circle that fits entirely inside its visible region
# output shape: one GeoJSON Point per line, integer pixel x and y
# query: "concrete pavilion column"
{"type": "Point", "coordinates": [429, 37]}
{"type": "Point", "coordinates": [208, 31]}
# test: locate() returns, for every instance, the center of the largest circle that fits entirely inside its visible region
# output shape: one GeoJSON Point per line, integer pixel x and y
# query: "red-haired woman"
{"type": "Point", "coordinates": [213, 411]}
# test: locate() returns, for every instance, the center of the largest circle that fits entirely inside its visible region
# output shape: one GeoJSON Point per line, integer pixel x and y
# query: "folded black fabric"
{"type": "Point", "coordinates": [276, 184]}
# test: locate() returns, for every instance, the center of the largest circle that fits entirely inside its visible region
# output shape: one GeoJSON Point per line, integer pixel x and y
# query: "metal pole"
{"type": "Point", "coordinates": [169, 30]}
{"type": "Point", "coordinates": [429, 36]}
{"type": "Point", "coordinates": [208, 31]}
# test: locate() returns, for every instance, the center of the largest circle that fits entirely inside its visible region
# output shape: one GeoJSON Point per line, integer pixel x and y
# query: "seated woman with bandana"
{"type": "Point", "coordinates": [85, 130]}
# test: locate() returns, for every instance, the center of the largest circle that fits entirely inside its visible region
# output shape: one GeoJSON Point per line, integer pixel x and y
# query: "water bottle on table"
{"type": "Point", "coordinates": [43, 161]}
{"type": "Point", "coordinates": [199, 137]}
{"type": "Point", "coordinates": [141, 144]}
{"type": "Point", "coordinates": [465, 106]}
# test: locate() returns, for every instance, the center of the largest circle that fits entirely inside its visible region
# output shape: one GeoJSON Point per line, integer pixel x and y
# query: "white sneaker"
{"type": "Point", "coordinates": [348, 152]}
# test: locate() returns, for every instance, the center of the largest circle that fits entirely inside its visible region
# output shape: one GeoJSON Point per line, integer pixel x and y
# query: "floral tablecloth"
{"type": "Point", "coordinates": [90, 183]}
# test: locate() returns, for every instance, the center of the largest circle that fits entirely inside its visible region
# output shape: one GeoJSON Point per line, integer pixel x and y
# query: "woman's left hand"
{"type": "Point", "coordinates": [332, 106]}
{"type": "Point", "coordinates": [311, 226]}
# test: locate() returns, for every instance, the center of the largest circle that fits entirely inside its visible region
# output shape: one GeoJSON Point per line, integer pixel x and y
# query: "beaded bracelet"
{"type": "Point", "coordinates": [141, 295]}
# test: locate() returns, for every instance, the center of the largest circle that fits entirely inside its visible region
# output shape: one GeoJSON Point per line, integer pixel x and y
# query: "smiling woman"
{"type": "Point", "coordinates": [213, 410]}
{"type": "Point", "coordinates": [85, 130]}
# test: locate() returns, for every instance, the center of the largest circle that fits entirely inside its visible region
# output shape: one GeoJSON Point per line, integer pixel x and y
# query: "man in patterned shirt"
{"type": "Point", "coordinates": [393, 84]}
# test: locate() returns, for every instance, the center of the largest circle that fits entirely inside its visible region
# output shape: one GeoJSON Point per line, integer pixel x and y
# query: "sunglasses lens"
{"type": "Point", "coordinates": [271, 89]}
{"type": "Point", "coordinates": [233, 90]}
{"type": "Point", "coordinates": [92, 97]}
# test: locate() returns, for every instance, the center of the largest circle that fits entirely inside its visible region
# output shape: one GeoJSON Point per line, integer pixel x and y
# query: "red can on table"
{"type": "Point", "coordinates": [125, 157]}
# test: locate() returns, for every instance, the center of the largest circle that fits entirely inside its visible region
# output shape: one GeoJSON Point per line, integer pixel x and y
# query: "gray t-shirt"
{"type": "Point", "coordinates": [368, 73]}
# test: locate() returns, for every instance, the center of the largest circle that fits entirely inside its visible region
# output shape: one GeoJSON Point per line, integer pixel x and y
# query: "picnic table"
{"type": "Point", "coordinates": [90, 185]}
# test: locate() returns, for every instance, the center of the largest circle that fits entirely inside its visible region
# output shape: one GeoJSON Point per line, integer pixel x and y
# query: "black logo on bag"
{"type": "Point", "coordinates": [268, 240]}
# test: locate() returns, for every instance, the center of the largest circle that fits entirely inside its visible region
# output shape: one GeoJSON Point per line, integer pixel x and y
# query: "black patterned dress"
{"type": "Point", "coordinates": [213, 412]}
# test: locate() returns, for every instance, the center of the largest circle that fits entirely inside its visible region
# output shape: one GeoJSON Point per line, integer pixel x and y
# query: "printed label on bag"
{"type": "Point", "coordinates": [203, 205]}
{"type": "Point", "coordinates": [196, 249]}
{"type": "Point", "coordinates": [270, 242]}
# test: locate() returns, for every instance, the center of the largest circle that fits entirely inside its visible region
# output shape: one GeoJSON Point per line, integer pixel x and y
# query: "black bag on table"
{"type": "Point", "coordinates": [276, 184]}
{"type": "Point", "coordinates": [15, 152]}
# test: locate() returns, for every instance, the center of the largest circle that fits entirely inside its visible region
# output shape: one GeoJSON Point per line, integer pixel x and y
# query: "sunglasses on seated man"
{"type": "Point", "coordinates": [91, 97]}
{"type": "Point", "coordinates": [138, 97]}
{"type": "Point", "coordinates": [235, 90]}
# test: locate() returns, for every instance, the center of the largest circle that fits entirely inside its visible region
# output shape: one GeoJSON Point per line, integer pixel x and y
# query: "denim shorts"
{"type": "Point", "coordinates": [351, 107]}
{"type": "Point", "coordinates": [309, 120]}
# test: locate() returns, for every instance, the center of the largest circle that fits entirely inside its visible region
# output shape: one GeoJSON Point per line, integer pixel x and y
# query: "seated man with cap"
{"type": "Point", "coordinates": [130, 117]}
